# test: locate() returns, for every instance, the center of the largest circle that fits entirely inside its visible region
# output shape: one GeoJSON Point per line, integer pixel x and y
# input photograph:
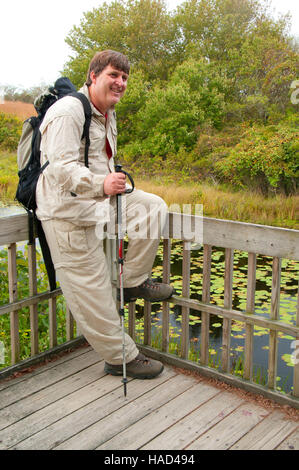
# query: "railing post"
{"type": "Point", "coordinates": [274, 314]}
{"type": "Point", "coordinates": [205, 317]}
{"type": "Point", "coordinates": [250, 305]}
{"type": "Point", "coordinates": [185, 293]}
{"type": "Point", "coordinates": [165, 305]}
{"type": "Point", "coordinates": [52, 322]}
{"type": "Point", "coordinates": [132, 322]}
{"type": "Point", "coordinates": [228, 286]}
{"type": "Point", "coordinates": [33, 291]}
{"type": "Point", "coordinates": [13, 295]}
{"type": "Point", "coordinates": [147, 323]}
{"type": "Point", "coordinates": [69, 324]}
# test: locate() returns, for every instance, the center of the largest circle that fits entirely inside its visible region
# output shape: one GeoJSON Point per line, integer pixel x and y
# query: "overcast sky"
{"type": "Point", "coordinates": [32, 35]}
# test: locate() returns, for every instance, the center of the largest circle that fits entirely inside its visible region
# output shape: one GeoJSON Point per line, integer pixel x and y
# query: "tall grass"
{"type": "Point", "coordinates": [243, 206]}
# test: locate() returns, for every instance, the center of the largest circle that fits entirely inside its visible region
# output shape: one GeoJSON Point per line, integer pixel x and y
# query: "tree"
{"type": "Point", "coordinates": [12, 93]}
{"type": "Point", "coordinates": [131, 103]}
{"type": "Point", "coordinates": [141, 29]}
{"type": "Point", "coordinates": [247, 44]}
{"type": "Point", "coordinates": [171, 114]}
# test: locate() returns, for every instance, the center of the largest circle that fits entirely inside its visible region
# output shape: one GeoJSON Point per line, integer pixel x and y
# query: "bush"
{"type": "Point", "coordinates": [10, 131]}
{"type": "Point", "coordinates": [266, 159]}
{"type": "Point", "coordinates": [169, 119]}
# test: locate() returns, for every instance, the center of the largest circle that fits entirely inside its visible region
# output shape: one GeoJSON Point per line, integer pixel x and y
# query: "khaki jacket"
{"type": "Point", "coordinates": [61, 144]}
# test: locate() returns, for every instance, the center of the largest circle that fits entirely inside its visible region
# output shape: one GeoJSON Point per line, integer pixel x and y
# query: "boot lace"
{"type": "Point", "coordinates": [150, 284]}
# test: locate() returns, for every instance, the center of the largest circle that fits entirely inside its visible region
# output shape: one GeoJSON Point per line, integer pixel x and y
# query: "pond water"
{"type": "Point", "coordinates": [288, 301]}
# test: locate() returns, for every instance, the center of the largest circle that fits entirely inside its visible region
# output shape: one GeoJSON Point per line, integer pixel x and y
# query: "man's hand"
{"type": "Point", "coordinates": [114, 183]}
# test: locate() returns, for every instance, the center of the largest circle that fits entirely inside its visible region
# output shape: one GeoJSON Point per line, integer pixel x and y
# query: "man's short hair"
{"type": "Point", "coordinates": [101, 59]}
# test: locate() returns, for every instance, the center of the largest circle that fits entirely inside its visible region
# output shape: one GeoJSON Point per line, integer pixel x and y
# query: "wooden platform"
{"type": "Point", "coordinates": [70, 403]}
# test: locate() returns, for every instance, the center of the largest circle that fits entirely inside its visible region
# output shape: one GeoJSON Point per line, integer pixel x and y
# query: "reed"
{"type": "Point", "coordinates": [245, 206]}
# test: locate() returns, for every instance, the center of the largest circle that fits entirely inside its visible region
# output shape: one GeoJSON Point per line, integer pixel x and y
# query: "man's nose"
{"type": "Point", "coordinates": [120, 81]}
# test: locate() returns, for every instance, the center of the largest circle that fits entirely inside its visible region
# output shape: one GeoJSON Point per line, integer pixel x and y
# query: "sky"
{"type": "Point", "coordinates": [33, 32]}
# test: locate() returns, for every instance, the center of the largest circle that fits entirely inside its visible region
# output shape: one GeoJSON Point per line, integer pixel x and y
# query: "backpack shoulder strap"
{"type": "Point", "coordinates": [87, 112]}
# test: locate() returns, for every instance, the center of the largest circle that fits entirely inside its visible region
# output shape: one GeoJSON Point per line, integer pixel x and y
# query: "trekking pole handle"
{"type": "Point", "coordinates": [118, 169]}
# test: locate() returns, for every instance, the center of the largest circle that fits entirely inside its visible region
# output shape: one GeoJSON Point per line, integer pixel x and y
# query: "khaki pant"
{"type": "Point", "coordinates": [82, 271]}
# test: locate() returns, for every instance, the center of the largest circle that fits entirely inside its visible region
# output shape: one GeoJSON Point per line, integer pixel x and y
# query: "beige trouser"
{"type": "Point", "coordinates": [82, 271]}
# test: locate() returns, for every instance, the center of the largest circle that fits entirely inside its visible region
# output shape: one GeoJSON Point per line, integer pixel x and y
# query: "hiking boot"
{"type": "Point", "coordinates": [148, 290]}
{"type": "Point", "coordinates": [141, 367]}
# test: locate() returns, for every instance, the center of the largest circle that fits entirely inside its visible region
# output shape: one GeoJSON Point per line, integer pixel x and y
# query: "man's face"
{"type": "Point", "coordinates": [108, 87]}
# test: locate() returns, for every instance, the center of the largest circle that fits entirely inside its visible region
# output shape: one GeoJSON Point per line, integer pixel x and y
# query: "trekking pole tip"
{"type": "Point", "coordinates": [125, 381]}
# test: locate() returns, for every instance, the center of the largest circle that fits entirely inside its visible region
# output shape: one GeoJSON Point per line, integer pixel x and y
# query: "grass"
{"type": "Point", "coordinates": [243, 206]}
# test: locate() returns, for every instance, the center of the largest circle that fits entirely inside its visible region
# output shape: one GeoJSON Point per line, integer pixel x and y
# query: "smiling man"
{"type": "Point", "coordinates": [70, 198]}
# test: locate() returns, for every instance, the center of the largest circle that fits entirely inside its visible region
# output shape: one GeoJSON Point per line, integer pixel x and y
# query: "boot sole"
{"type": "Point", "coordinates": [134, 376]}
{"type": "Point", "coordinates": [132, 299]}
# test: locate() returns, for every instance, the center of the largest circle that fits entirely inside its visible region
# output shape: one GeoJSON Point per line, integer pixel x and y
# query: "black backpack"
{"type": "Point", "coordinates": [29, 160]}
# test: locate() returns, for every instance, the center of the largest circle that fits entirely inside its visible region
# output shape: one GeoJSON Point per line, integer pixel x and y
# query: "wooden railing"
{"type": "Point", "coordinates": [277, 243]}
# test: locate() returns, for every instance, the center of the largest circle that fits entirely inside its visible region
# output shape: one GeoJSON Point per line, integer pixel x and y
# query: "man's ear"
{"type": "Point", "coordinates": [92, 76]}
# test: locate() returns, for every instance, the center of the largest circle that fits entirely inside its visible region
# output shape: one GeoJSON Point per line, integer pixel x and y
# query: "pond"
{"type": "Point", "coordinates": [287, 314]}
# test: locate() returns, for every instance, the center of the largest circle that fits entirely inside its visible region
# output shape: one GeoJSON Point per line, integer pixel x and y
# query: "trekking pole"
{"type": "Point", "coordinates": [118, 169]}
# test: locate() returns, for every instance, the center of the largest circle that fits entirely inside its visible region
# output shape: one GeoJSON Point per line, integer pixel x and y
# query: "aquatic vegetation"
{"type": "Point", "coordinates": [287, 312]}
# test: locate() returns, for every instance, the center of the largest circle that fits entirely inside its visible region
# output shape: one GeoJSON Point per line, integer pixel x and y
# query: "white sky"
{"type": "Point", "coordinates": [32, 35]}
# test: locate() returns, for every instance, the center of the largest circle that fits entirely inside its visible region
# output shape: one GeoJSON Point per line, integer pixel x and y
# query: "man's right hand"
{"type": "Point", "coordinates": [114, 183]}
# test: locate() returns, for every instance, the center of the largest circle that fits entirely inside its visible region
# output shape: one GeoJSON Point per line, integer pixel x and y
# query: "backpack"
{"type": "Point", "coordinates": [28, 157]}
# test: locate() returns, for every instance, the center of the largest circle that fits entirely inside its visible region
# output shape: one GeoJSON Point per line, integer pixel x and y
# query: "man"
{"type": "Point", "coordinates": [70, 198]}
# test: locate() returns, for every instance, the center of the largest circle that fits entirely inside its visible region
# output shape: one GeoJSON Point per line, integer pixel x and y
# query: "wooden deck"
{"type": "Point", "coordinates": [70, 403]}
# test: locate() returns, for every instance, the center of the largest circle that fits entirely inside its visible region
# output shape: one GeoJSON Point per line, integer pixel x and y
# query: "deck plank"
{"type": "Point", "coordinates": [35, 402]}
{"type": "Point", "coordinates": [37, 382]}
{"type": "Point", "coordinates": [291, 442]}
{"type": "Point", "coordinates": [156, 422]}
{"type": "Point", "coordinates": [71, 403]}
{"type": "Point", "coordinates": [268, 434]}
{"type": "Point", "coordinates": [42, 367]}
{"type": "Point", "coordinates": [224, 434]}
{"type": "Point", "coordinates": [57, 410]}
{"type": "Point", "coordinates": [196, 423]}
{"type": "Point", "coordinates": [128, 414]}
{"type": "Point", "coordinates": [73, 424]}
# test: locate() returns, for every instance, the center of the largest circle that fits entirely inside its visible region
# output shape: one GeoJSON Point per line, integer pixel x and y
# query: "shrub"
{"type": "Point", "coordinates": [266, 159]}
{"type": "Point", "coordinates": [10, 131]}
{"type": "Point", "coordinates": [169, 119]}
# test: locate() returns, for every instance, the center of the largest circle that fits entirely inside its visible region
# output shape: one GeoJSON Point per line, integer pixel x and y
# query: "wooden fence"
{"type": "Point", "coordinates": [277, 243]}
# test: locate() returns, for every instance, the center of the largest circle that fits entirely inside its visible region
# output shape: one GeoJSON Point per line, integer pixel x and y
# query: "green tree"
{"type": "Point", "coordinates": [171, 115]}
{"type": "Point", "coordinates": [133, 100]}
{"type": "Point", "coordinates": [141, 29]}
{"type": "Point", "coordinates": [247, 45]}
